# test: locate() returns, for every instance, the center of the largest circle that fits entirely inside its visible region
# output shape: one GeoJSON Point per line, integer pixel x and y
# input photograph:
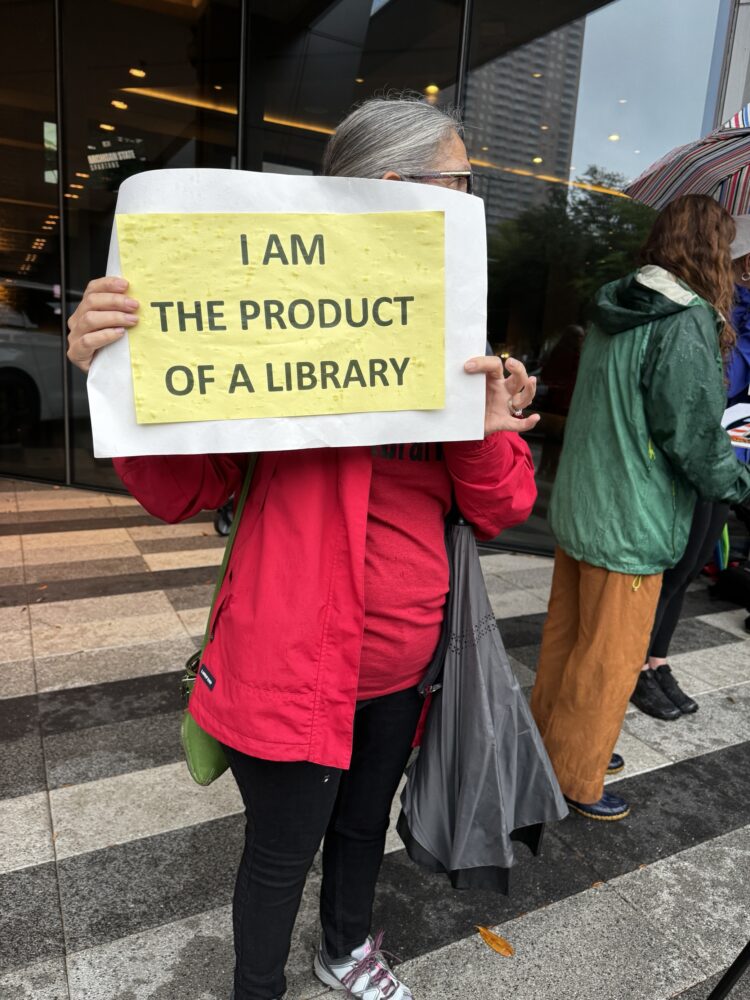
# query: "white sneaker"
{"type": "Point", "coordinates": [364, 976]}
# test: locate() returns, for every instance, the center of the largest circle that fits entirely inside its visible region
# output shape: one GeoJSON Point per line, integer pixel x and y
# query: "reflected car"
{"type": "Point", "coordinates": [31, 373]}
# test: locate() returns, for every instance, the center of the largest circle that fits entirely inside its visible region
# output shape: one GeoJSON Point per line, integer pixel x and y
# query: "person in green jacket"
{"type": "Point", "coordinates": [643, 441]}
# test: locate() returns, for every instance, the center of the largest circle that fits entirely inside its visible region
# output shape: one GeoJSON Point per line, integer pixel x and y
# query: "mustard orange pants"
{"type": "Point", "coordinates": [595, 640]}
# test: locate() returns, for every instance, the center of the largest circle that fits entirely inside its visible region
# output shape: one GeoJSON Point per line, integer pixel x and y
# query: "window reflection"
{"type": "Point", "coordinates": [31, 401]}
{"type": "Point", "coordinates": [302, 79]}
{"type": "Point", "coordinates": [147, 85]}
{"type": "Point", "coordinates": [565, 102]}
{"type": "Point", "coordinates": [557, 127]}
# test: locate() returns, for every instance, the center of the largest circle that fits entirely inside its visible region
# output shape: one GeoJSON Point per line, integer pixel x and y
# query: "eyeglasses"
{"type": "Point", "coordinates": [464, 179]}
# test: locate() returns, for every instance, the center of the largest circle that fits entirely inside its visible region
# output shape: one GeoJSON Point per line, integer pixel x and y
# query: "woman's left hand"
{"type": "Point", "coordinates": [505, 395]}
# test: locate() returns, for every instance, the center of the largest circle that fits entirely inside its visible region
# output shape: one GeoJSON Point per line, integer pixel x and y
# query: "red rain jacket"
{"type": "Point", "coordinates": [287, 625]}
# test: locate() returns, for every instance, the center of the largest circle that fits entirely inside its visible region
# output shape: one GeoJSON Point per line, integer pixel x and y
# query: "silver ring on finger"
{"type": "Point", "coordinates": [514, 411]}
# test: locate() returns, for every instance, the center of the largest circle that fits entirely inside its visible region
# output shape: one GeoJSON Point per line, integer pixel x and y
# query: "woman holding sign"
{"type": "Point", "coordinates": [331, 609]}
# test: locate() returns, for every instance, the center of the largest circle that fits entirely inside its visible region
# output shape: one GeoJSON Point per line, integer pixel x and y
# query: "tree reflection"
{"type": "Point", "coordinates": [544, 267]}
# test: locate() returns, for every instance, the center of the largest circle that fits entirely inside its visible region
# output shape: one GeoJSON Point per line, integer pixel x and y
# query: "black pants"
{"type": "Point", "coordinates": [290, 808]}
{"type": "Point", "coordinates": [708, 521]}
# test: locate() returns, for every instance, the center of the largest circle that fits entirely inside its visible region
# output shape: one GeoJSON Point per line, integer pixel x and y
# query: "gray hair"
{"type": "Point", "coordinates": [401, 133]}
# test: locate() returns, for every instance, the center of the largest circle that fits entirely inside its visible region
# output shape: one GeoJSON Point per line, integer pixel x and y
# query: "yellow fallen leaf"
{"type": "Point", "coordinates": [494, 941]}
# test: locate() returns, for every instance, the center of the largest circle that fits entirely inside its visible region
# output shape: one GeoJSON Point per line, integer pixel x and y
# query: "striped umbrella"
{"type": "Point", "coordinates": [717, 165]}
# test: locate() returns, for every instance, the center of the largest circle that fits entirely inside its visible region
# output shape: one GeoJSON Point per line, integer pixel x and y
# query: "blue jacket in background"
{"type": "Point", "coordinates": [738, 366]}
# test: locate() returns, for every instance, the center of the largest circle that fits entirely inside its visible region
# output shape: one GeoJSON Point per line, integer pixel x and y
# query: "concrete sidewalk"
{"type": "Point", "coordinates": [116, 872]}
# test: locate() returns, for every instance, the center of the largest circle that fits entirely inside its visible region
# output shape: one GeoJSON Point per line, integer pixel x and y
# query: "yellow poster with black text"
{"type": "Point", "coordinates": [274, 315]}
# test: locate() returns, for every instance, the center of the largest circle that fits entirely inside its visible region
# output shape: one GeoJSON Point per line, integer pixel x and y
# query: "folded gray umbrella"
{"type": "Point", "coordinates": [482, 778]}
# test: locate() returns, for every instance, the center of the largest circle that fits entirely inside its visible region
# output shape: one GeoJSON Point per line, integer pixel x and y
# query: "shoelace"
{"type": "Point", "coordinates": [374, 965]}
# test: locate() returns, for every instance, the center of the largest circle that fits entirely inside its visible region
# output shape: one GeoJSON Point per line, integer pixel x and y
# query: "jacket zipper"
{"type": "Point", "coordinates": [225, 600]}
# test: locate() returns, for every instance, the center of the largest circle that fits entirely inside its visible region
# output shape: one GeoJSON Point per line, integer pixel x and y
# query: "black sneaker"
{"type": "Point", "coordinates": [609, 808]}
{"type": "Point", "coordinates": [673, 691]}
{"type": "Point", "coordinates": [232, 996]}
{"type": "Point", "coordinates": [649, 697]}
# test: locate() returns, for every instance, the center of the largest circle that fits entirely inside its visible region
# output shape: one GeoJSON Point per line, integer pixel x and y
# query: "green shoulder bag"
{"type": "Point", "coordinates": [204, 756]}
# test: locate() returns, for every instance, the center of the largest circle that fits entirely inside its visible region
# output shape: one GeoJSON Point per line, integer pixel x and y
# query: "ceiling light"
{"type": "Point", "coordinates": [218, 86]}
{"type": "Point", "coordinates": [485, 148]}
{"type": "Point", "coordinates": [120, 105]}
{"type": "Point", "coordinates": [78, 187]}
{"type": "Point", "coordinates": [537, 159]}
{"type": "Point", "coordinates": [107, 128]}
{"type": "Point", "coordinates": [227, 109]}
{"type": "Point", "coordinates": [432, 89]}
{"type": "Point", "coordinates": [537, 76]}
{"type": "Point", "coordinates": [48, 228]}
{"type": "Point", "coordinates": [623, 100]}
{"type": "Point", "coordinates": [53, 216]}
{"type": "Point", "coordinates": [134, 71]}
{"type": "Point", "coordinates": [544, 128]}
{"type": "Point", "coordinates": [614, 137]}
{"type": "Point", "coordinates": [69, 195]}
{"type": "Point", "coordinates": [359, 79]}
{"type": "Point", "coordinates": [636, 150]}
{"type": "Point", "coordinates": [78, 174]}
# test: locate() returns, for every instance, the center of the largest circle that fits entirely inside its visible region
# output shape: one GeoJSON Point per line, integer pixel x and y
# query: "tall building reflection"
{"type": "Point", "coordinates": [523, 111]}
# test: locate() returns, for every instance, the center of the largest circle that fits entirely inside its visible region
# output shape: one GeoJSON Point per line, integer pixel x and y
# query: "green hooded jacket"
{"type": "Point", "coordinates": [643, 438]}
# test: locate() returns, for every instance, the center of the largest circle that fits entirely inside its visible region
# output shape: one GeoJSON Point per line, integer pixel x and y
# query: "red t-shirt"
{"type": "Point", "coordinates": [406, 566]}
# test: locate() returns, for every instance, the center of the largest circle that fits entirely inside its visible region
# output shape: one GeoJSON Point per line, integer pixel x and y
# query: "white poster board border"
{"type": "Point", "coordinates": [110, 385]}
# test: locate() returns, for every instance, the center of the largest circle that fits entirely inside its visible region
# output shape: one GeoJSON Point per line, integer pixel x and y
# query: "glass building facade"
{"type": "Point", "coordinates": [564, 103]}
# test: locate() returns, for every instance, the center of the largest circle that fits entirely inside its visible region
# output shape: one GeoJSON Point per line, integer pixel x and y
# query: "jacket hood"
{"type": "Point", "coordinates": [647, 294]}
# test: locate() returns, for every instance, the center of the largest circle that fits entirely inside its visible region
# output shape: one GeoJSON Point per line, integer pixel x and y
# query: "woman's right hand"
{"type": "Point", "coordinates": [103, 315]}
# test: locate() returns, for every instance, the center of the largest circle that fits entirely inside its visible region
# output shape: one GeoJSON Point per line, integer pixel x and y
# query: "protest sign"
{"type": "Point", "coordinates": [283, 312]}
{"type": "Point", "coordinates": [262, 315]}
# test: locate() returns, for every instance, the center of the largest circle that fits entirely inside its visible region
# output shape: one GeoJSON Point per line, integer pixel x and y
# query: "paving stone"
{"type": "Point", "coordinates": [128, 807]}
{"type": "Point", "coordinates": [722, 719]}
{"type": "Point", "coordinates": [30, 924]}
{"type": "Point", "coordinates": [22, 771]}
{"type": "Point", "coordinates": [110, 894]}
{"type": "Point", "coordinates": [116, 749]}
{"type": "Point", "coordinates": [699, 897]}
{"type": "Point", "coordinates": [587, 942]}
{"type": "Point", "coordinates": [17, 678]}
{"type": "Point", "coordinates": [113, 663]}
{"type": "Point", "coordinates": [38, 981]}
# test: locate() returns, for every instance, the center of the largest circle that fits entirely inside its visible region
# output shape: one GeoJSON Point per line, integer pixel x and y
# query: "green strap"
{"type": "Point", "coordinates": [724, 540]}
{"type": "Point", "coordinates": [252, 461]}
